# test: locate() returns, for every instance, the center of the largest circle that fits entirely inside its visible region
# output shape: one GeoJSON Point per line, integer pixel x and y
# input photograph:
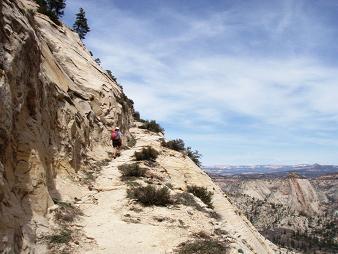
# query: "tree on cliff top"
{"type": "Point", "coordinates": [57, 7]}
{"type": "Point", "coordinates": [81, 26]}
{"type": "Point", "coordinates": [52, 8]}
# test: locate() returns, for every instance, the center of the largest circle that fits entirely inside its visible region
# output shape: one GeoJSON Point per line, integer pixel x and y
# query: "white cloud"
{"type": "Point", "coordinates": [260, 65]}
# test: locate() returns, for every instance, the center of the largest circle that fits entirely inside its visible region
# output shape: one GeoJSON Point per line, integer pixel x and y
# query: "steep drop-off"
{"type": "Point", "coordinates": [291, 211]}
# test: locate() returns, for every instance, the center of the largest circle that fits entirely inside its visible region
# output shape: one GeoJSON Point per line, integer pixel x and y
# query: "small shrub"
{"type": "Point", "coordinates": [131, 141]}
{"type": "Point", "coordinates": [202, 246]}
{"type": "Point", "coordinates": [132, 170]}
{"type": "Point", "coordinates": [175, 144]}
{"type": "Point", "coordinates": [215, 215]}
{"type": "Point", "coordinates": [137, 116]}
{"type": "Point", "coordinates": [194, 156]}
{"type": "Point", "coordinates": [147, 153]}
{"type": "Point", "coordinates": [202, 193]}
{"type": "Point", "coordinates": [111, 76]}
{"type": "Point", "coordinates": [187, 199]}
{"type": "Point", "coordinates": [150, 195]}
{"type": "Point", "coordinates": [89, 177]}
{"type": "Point", "coordinates": [202, 234]}
{"type": "Point", "coordinates": [240, 251]}
{"type": "Point", "coordinates": [66, 212]}
{"type": "Point", "coordinates": [98, 61]}
{"type": "Point", "coordinates": [62, 237]}
{"type": "Point", "coordinates": [152, 126]}
{"type": "Point", "coordinates": [169, 185]}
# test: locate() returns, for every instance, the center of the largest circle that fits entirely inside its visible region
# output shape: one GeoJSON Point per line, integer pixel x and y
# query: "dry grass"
{"type": "Point", "coordinates": [66, 213]}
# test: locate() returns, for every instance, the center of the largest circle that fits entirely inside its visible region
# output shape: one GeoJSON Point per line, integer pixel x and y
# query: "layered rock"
{"type": "Point", "coordinates": [295, 192]}
{"type": "Point", "coordinates": [57, 105]}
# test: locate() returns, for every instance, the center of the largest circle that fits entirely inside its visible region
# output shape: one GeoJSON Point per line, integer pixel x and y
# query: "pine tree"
{"type": "Point", "coordinates": [81, 26]}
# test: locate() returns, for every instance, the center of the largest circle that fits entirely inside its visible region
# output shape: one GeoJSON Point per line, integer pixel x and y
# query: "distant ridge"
{"type": "Point", "coordinates": [306, 170]}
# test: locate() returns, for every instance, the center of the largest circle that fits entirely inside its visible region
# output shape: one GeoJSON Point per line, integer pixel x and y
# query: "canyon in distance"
{"type": "Point", "coordinates": [294, 206]}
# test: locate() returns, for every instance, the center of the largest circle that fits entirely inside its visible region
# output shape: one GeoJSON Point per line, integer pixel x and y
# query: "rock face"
{"type": "Point", "coordinates": [57, 108]}
{"type": "Point", "coordinates": [303, 197]}
{"type": "Point", "coordinates": [57, 105]}
{"type": "Point", "coordinates": [295, 192]}
{"type": "Point", "coordinates": [291, 211]}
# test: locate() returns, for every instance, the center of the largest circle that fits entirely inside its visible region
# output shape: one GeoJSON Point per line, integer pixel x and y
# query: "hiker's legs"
{"type": "Point", "coordinates": [114, 149]}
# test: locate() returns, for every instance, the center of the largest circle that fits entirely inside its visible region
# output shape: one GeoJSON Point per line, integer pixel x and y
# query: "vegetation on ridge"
{"type": "Point", "coordinates": [175, 144]}
{"type": "Point", "coordinates": [81, 25]}
{"type": "Point", "coordinates": [63, 236]}
{"type": "Point", "coordinates": [52, 8]}
{"type": "Point", "coordinates": [202, 193]}
{"type": "Point", "coordinates": [152, 125]}
{"type": "Point", "coordinates": [203, 244]}
{"type": "Point", "coordinates": [147, 154]}
{"type": "Point", "coordinates": [132, 170]}
{"type": "Point", "coordinates": [179, 145]}
{"type": "Point", "coordinates": [150, 195]}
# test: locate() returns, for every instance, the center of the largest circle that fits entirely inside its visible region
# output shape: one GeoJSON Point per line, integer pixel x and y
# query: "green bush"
{"type": "Point", "coordinates": [187, 199]}
{"type": "Point", "coordinates": [146, 154]}
{"type": "Point", "coordinates": [175, 144]}
{"type": "Point", "coordinates": [152, 126]}
{"type": "Point", "coordinates": [111, 76]}
{"type": "Point", "coordinates": [202, 193]}
{"type": "Point", "coordinates": [202, 246]}
{"type": "Point", "coordinates": [132, 170]}
{"type": "Point", "coordinates": [194, 156]}
{"type": "Point", "coordinates": [150, 195]}
{"type": "Point", "coordinates": [137, 116]}
{"type": "Point", "coordinates": [62, 237]}
{"type": "Point", "coordinates": [178, 145]}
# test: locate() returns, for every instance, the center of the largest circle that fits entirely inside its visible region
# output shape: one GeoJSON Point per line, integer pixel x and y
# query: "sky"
{"type": "Point", "coordinates": [243, 82]}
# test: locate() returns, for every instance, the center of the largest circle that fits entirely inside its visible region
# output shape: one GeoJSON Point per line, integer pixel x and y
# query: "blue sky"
{"type": "Point", "coordinates": [243, 82]}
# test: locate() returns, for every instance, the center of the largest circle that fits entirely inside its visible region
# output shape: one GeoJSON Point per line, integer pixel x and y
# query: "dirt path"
{"type": "Point", "coordinates": [104, 222]}
{"type": "Point", "coordinates": [117, 225]}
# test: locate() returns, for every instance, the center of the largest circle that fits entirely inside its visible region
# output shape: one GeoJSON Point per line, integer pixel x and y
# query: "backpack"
{"type": "Point", "coordinates": [115, 135]}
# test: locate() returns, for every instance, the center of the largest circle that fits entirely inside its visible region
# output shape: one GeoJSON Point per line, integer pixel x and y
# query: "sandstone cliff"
{"type": "Point", "coordinates": [57, 105]}
{"type": "Point", "coordinates": [57, 108]}
{"type": "Point", "coordinates": [295, 192]}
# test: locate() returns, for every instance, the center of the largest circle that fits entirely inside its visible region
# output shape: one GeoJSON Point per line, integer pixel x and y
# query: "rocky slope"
{"type": "Point", "coordinates": [291, 211]}
{"type": "Point", "coordinates": [134, 228]}
{"type": "Point", "coordinates": [57, 108]}
{"type": "Point", "coordinates": [295, 192]}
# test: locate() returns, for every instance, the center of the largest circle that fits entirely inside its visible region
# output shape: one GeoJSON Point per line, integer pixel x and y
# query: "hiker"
{"type": "Point", "coordinates": [116, 137]}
